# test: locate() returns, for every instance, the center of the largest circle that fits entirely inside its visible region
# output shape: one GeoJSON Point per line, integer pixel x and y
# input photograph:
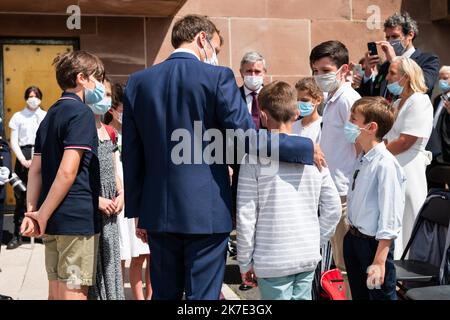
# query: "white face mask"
{"type": "Point", "coordinates": [33, 103]}
{"type": "Point", "coordinates": [253, 83]}
{"type": "Point", "coordinates": [214, 61]}
{"type": "Point", "coordinates": [327, 82]}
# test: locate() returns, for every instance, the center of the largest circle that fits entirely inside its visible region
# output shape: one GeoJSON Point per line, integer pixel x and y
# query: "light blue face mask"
{"type": "Point", "coordinates": [306, 108]}
{"type": "Point", "coordinates": [101, 107]}
{"type": "Point", "coordinates": [444, 86]}
{"type": "Point", "coordinates": [351, 132]}
{"type": "Point", "coordinates": [395, 88]}
{"type": "Point", "coordinates": [93, 96]}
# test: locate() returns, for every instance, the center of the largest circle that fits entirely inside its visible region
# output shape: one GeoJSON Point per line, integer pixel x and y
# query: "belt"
{"type": "Point", "coordinates": [354, 231]}
{"type": "Point", "coordinates": [28, 146]}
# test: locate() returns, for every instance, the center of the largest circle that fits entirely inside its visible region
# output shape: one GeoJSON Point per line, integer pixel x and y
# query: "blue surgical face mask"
{"type": "Point", "coordinates": [101, 107]}
{"type": "Point", "coordinates": [93, 96]}
{"type": "Point", "coordinates": [351, 132]}
{"type": "Point", "coordinates": [395, 88]}
{"type": "Point", "coordinates": [444, 86]}
{"type": "Point", "coordinates": [306, 108]}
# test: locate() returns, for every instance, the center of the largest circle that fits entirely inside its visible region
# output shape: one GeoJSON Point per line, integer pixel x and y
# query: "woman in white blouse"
{"type": "Point", "coordinates": [24, 125]}
{"type": "Point", "coordinates": [409, 136]}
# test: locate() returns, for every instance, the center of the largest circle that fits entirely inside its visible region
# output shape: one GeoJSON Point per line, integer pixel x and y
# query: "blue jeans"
{"type": "Point", "coordinates": [293, 287]}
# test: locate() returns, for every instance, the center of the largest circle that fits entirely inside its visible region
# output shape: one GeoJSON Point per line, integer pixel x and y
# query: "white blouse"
{"type": "Point", "coordinates": [415, 118]}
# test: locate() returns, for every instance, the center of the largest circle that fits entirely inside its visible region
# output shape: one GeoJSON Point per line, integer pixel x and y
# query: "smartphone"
{"type": "Point", "coordinates": [372, 46]}
{"type": "Point", "coordinates": [445, 97]}
{"type": "Point", "coordinates": [357, 69]}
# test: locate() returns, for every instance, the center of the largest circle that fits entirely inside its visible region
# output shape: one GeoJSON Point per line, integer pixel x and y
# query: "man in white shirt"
{"type": "Point", "coordinates": [401, 31]}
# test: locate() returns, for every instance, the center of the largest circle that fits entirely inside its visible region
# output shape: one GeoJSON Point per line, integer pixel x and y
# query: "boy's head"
{"type": "Point", "coordinates": [78, 70]}
{"type": "Point", "coordinates": [329, 63]}
{"type": "Point", "coordinates": [278, 103]}
{"type": "Point", "coordinates": [374, 116]}
{"type": "Point", "coordinates": [309, 96]}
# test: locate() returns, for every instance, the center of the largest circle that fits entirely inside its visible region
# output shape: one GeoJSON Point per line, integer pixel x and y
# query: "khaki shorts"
{"type": "Point", "coordinates": [71, 259]}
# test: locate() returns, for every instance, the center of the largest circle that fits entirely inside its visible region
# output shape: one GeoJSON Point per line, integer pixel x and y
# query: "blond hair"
{"type": "Point", "coordinates": [411, 69]}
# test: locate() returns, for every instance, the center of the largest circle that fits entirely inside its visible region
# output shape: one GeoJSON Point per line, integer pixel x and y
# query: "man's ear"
{"type": "Point", "coordinates": [373, 127]}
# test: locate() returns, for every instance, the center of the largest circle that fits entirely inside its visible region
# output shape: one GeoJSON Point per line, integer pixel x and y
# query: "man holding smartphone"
{"type": "Point", "coordinates": [401, 31]}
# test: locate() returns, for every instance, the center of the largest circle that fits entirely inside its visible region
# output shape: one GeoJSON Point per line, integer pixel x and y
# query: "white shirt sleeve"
{"type": "Point", "coordinates": [247, 204]}
{"type": "Point", "coordinates": [13, 125]}
{"type": "Point", "coordinates": [329, 207]}
{"type": "Point", "coordinates": [417, 120]}
{"type": "Point", "coordinates": [391, 200]}
{"type": "Point", "coordinates": [15, 144]}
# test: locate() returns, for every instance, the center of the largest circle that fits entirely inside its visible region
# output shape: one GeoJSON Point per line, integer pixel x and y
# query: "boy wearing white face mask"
{"type": "Point", "coordinates": [24, 125]}
{"type": "Point", "coordinates": [329, 61]}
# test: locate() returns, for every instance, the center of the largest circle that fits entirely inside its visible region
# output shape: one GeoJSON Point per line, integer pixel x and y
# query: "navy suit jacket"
{"type": "Point", "coordinates": [184, 198]}
{"type": "Point", "coordinates": [428, 62]}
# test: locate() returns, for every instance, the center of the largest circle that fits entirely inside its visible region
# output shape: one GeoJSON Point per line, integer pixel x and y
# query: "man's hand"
{"type": "Point", "coordinates": [142, 234]}
{"type": "Point", "coordinates": [4, 175]}
{"type": "Point", "coordinates": [447, 106]}
{"type": "Point", "coordinates": [107, 206]}
{"type": "Point", "coordinates": [388, 50]}
{"type": "Point", "coordinates": [40, 219]}
{"type": "Point", "coordinates": [29, 227]}
{"type": "Point", "coordinates": [319, 158]}
{"type": "Point", "coordinates": [249, 278]}
{"type": "Point", "coordinates": [375, 276]}
{"type": "Point", "coordinates": [371, 62]}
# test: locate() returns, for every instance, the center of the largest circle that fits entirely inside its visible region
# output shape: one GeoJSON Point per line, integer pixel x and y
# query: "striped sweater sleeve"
{"type": "Point", "coordinates": [329, 207]}
{"type": "Point", "coordinates": [247, 206]}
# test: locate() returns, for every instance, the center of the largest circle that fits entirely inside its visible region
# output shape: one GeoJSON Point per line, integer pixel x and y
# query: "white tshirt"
{"type": "Point", "coordinates": [27, 122]}
{"type": "Point", "coordinates": [339, 153]}
{"type": "Point", "coordinates": [312, 131]}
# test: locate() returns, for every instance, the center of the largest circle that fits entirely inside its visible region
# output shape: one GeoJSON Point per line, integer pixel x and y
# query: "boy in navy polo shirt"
{"type": "Point", "coordinates": [63, 185]}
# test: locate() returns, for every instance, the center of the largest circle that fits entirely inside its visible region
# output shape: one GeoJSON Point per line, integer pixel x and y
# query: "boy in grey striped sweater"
{"type": "Point", "coordinates": [279, 231]}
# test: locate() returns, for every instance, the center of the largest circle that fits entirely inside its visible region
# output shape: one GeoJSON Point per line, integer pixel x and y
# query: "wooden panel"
{"type": "Point", "coordinates": [23, 66]}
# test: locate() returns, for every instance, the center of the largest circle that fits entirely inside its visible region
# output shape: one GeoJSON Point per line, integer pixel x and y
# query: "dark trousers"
{"type": "Point", "coordinates": [21, 198]}
{"type": "Point", "coordinates": [193, 264]}
{"type": "Point", "coordinates": [358, 255]}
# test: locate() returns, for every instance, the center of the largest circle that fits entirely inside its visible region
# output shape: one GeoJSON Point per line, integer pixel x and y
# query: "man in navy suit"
{"type": "Point", "coordinates": [186, 208]}
{"type": "Point", "coordinates": [401, 31]}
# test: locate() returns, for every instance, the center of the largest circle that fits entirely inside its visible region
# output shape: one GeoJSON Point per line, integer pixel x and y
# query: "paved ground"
{"type": "Point", "coordinates": [23, 274]}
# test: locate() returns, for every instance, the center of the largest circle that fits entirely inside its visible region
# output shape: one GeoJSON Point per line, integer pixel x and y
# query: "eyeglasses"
{"type": "Point", "coordinates": [355, 175]}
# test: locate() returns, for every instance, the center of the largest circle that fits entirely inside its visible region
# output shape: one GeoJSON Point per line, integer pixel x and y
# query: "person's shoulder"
{"type": "Point", "coordinates": [349, 94]}
{"type": "Point", "coordinates": [388, 161]}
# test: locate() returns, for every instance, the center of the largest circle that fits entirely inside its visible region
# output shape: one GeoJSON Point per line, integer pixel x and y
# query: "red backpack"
{"type": "Point", "coordinates": [333, 285]}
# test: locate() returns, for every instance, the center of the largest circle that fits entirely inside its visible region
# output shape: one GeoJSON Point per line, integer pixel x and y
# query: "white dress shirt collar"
{"type": "Point", "coordinates": [408, 53]}
{"type": "Point", "coordinates": [247, 91]}
{"type": "Point", "coordinates": [184, 50]}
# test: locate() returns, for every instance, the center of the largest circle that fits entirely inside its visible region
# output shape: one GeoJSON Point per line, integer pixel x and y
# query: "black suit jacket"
{"type": "Point", "coordinates": [378, 87]}
{"type": "Point", "coordinates": [439, 143]}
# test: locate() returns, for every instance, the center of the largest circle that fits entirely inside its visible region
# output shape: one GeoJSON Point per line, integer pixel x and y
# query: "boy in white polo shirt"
{"type": "Point", "coordinates": [329, 62]}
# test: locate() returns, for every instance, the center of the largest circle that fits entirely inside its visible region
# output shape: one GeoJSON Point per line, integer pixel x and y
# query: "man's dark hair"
{"type": "Point", "coordinates": [68, 65]}
{"type": "Point", "coordinates": [335, 50]}
{"type": "Point", "coordinates": [404, 21]}
{"type": "Point", "coordinates": [34, 89]}
{"type": "Point", "coordinates": [185, 29]}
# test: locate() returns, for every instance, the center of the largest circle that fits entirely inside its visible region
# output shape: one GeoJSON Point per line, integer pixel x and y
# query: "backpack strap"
{"type": "Point", "coordinates": [111, 133]}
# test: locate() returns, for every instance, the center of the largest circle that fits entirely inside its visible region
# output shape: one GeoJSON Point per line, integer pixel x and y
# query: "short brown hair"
{"type": "Point", "coordinates": [279, 99]}
{"type": "Point", "coordinates": [185, 29]}
{"type": "Point", "coordinates": [69, 65]}
{"type": "Point", "coordinates": [378, 110]}
{"type": "Point", "coordinates": [309, 85]}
